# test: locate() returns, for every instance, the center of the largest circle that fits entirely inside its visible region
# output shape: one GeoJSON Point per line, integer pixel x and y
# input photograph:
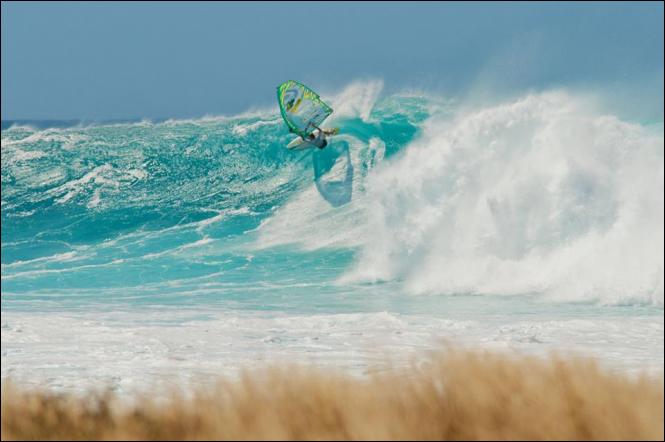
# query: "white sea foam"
{"type": "Point", "coordinates": [539, 195]}
{"type": "Point", "coordinates": [75, 351]}
{"type": "Point", "coordinates": [103, 178]}
{"type": "Point", "coordinates": [243, 129]}
{"type": "Point", "coordinates": [67, 138]}
{"type": "Point", "coordinates": [58, 257]}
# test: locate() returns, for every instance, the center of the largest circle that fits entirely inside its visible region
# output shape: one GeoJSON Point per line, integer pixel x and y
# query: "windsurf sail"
{"type": "Point", "coordinates": [301, 107]}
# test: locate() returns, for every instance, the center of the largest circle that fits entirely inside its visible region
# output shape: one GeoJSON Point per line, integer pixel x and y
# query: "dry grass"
{"type": "Point", "coordinates": [468, 396]}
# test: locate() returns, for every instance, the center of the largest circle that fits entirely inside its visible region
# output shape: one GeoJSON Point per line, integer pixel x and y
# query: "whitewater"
{"type": "Point", "coordinates": [142, 252]}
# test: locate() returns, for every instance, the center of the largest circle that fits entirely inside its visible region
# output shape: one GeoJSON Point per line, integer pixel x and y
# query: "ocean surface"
{"type": "Point", "coordinates": [141, 252]}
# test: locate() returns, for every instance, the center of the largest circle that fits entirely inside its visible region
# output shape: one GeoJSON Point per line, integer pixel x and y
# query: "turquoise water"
{"type": "Point", "coordinates": [536, 224]}
{"type": "Point", "coordinates": [153, 214]}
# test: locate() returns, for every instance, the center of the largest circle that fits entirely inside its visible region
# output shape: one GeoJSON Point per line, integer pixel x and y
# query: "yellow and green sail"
{"type": "Point", "coordinates": [301, 107]}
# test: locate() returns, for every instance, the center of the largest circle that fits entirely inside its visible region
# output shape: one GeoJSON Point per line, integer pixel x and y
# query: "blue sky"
{"type": "Point", "coordinates": [102, 60]}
